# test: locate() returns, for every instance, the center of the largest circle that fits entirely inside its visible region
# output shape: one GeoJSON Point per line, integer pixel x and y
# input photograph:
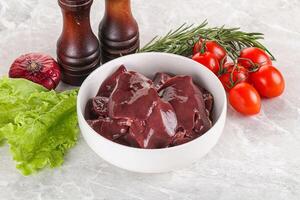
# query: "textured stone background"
{"type": "Point", "coordinates": [256, 158]}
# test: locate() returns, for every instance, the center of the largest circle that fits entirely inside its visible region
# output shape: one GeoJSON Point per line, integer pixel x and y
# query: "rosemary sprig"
{"type": "Point", "coordinates": [182, 40]}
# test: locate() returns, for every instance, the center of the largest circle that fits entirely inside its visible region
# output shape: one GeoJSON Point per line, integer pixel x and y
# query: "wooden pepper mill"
{"type": "Point", "coordinates": [118, 30]}
{"type": "Point", "coordinates": [78, 50]}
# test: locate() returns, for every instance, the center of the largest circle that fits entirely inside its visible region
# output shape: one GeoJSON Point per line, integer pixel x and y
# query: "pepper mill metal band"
{"type": "Point", "coordinates": [118, 30]}
{"type": "Point", "coordinates": [78, 49]}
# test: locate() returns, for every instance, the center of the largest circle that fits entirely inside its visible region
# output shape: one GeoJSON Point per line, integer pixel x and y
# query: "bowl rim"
{"type": "Point", "coordinates": [129, 148]}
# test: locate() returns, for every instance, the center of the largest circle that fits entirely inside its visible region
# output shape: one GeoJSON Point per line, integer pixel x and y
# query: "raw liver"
{"type": "Point", "coordinates": [133, 110]}
{"type": "Point", "coordinates": [187, 100]}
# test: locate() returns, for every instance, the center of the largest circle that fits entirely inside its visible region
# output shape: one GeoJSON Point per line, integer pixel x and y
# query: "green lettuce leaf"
{"type": "Point", "coordinates": [13, 94]}
{"type": "Point", "coordinates": [39, 125]}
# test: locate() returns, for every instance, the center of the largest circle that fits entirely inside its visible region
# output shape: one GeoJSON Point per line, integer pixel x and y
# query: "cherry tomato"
{"type": "Point", "coordinates": [233, 74]}
{"type": "Point", "coordinates": [268, 81]}
{"type": "Point", "coordinates": [212, 47]}
{"type": "Point", "coordinates": [254, 55]}
{"type": "Point", "coordinates": [208, 60]}
{"type": "Point", "coordinates": [245, 99]}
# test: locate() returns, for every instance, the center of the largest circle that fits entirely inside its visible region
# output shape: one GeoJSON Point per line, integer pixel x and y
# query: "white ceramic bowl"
{"type": "Point", "coordinates": [153, 160]}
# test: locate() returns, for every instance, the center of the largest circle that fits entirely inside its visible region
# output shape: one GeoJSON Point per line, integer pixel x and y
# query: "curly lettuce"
{"type": "Point", "coordinates": [39, 125]}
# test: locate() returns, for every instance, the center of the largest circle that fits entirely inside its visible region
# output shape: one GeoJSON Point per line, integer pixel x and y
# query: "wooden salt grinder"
{"type": "Point", "coordinates": [118, 30]}
{"type": "Point", "coordinates": [78, 50]}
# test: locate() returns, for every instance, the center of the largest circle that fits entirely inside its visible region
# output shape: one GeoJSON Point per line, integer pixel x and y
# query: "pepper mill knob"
{"type": "Point", "coordinates": [78, 49]}
{"type": "Point", "coordinates": [118, 30]}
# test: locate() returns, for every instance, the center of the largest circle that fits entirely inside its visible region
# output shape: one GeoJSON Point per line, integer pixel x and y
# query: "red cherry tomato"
{"type": "Point", "coordinates": [268, 81]}
{"type": "Point", "coordinates": [245, 99]}
{"type": "Point", "coordinates": [212, 47]}
{"type": "Point", "coordinates": [208, 60]}
{"type": "Point", "coordinates": [233, 74]}
{"type": "Point", "coordinates": [254, 55]}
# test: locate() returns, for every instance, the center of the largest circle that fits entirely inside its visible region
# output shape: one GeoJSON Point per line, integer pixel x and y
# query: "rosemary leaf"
{"type": "Point", "coordinates": [181, 40]}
